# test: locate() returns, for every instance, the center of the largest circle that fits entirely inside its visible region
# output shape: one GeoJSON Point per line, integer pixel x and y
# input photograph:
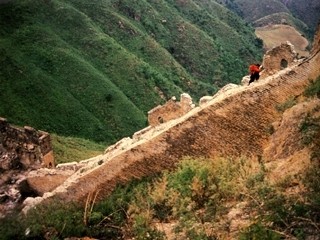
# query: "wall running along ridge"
{"type": "Point", "coordinates": [232, 124]}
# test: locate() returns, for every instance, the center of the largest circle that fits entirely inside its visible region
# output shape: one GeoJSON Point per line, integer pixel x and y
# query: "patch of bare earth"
{"type": "Point", "coordinates": [274, 35]}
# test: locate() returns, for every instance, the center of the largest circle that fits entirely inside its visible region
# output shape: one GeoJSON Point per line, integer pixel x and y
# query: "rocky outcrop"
{"type": "Point", "coordinates": [24, 148]}
{"type": "Point", "coordinates": [21, 150]}
{"type": "Point", "coordinates": [287, 138]}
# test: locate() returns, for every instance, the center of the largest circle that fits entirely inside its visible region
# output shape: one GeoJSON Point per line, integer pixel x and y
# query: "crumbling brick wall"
{"type": "Point", "coordinates": [24, 148]}
{"type": "Point", "coordinates": [279, 58]}
{"type": "Point", "coordinates": [170, 110]}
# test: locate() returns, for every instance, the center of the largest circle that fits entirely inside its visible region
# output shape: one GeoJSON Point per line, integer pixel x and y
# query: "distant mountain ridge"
{"type": "Point", "coordinates": [302, 14]}
{"type": "Point", "coordinates": [94, 69]}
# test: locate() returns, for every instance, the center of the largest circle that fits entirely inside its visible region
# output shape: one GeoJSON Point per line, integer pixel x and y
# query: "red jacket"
{"type": "Point", "coordinates": [254, 68]}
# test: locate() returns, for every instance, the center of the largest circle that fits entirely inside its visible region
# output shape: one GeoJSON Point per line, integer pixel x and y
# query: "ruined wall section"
{"type": "Point", "coordinates": [235, 124]}
{"type": "Point", "coordinates": [170, 110]}
{"type": "Point", "coordinates": [24, 148]}
{"type": "Point", "coordinates": [278, 58]}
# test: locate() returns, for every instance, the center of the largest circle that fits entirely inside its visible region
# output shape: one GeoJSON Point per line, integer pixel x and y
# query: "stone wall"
{"type": "Point", "coordinates": [170, 110]}
{"type": "Point", "coordinates": [278, 58]}
{"type": "Point", "coordinates": [24, 148]}
{"type": "Point", "coordinates": [233, 124]}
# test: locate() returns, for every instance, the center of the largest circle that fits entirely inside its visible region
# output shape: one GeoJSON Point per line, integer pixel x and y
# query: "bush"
{"type": "Point", "coordinates": [258, 231]}
{"type": "Point", "coordinates": [313, 89]}
{"type": "Point", "coordinates": [286, 105]}
{"type": "Point", "coordinates": [310, 129]}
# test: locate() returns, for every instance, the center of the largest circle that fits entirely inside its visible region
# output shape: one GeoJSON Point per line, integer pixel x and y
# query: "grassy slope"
{"type": "Point", "coordinates": [81, 149]}
{"type": "Point", "coordinates": [53, 85]}
{"type": "Point", "coordinates": [93, 69]}
{"type": "Point", "coordinates": [231, 35]}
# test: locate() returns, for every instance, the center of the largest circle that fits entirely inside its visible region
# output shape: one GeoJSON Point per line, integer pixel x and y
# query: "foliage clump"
{"type": "Point", "coordinates": [313, 90]}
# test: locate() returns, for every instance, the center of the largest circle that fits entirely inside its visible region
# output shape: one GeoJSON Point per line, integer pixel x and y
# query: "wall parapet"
{"type": "Point", "coordinates": [170, 110]}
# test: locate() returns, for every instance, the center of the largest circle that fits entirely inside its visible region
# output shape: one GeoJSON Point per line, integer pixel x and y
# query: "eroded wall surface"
{"type": "Point", "coordinates": [170, 110]}
{"type": "Point", "coordinates": [278, 58]}
{"type": "Point", "coordinates": [23, 148]}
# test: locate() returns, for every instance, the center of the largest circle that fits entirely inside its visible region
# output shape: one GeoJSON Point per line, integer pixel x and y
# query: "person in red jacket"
{"type": "Point", "coordinates": [254, 72]}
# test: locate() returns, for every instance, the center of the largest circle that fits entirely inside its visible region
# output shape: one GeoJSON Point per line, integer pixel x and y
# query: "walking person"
{"type": "Point", "coordinates": [254, 72]}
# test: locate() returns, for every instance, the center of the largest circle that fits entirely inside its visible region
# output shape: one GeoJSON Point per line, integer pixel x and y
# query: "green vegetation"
{"type": "Point", "coordinates": [282, 216]}
{"type": "Point", "coordinates": [286, 105]}
{"type": "Point", "coordinates": [93, 70]}
{"type": "Point", "coordinates": [70, 149]}
{"type": "Point", "coordinates": [195, 198]}
{"type": "Point", "coordinates": [310, 125]}
{"type": "Point", "coordinates": [252, 10]}
{"type": "Point", "coordinates": [313, 89]}
{"type": "Point", "coordinates": [304, 11]}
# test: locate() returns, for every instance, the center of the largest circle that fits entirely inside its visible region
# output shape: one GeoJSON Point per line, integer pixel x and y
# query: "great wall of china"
{"type": "Point", "coordinates": [221, 125]}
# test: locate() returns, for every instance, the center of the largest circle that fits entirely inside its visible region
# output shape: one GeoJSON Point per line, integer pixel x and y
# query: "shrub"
{"type": "Point", "coordinates": [310, 129]}
{"type": "Point", "coordinates": [313, 89]}
{"type": "Point", "coordinates": [258, 231]}
{"type": "Point", "coordinates": [286, 105]}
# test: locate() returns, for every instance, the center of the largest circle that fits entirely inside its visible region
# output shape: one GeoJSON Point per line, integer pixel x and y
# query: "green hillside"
{"type": "Point", "coordinates": [92, 69]}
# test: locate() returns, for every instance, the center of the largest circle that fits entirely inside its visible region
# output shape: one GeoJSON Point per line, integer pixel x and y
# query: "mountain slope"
{"type": "Point", "coordinates": [254, 10]}
{"type": "Point", "coordinates": [94, 69]}
{"type": "Point", "coordinates": [301, 14]}
{"type": "Point", "coordinates": [308, 11]}
{"type": "Point", "coordinates": [244, 165]}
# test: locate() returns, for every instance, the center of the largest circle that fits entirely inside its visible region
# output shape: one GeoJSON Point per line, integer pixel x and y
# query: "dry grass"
{"type": "Point", "coordinates": [274, 35]}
